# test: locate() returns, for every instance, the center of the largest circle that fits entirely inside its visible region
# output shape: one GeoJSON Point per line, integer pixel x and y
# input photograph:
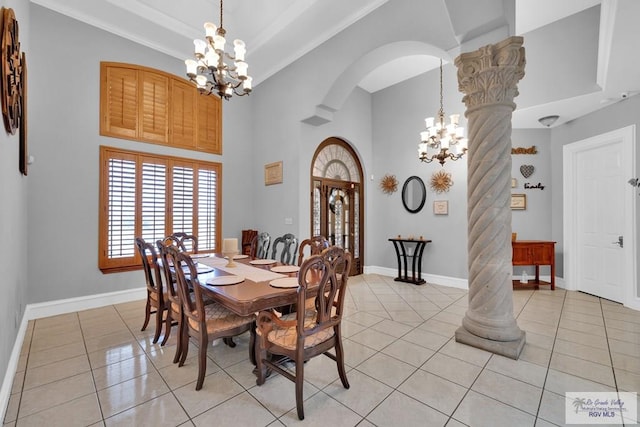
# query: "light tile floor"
{"type": "Point", "coordinates": [95, 367]}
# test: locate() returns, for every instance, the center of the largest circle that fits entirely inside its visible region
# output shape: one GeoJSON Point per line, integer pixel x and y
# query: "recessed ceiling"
{"type": "Point", "coordinates": [278, 32]}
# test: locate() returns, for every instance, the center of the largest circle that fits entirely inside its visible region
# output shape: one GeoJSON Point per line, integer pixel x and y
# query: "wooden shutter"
{"type": "Point", "coordinates": [209, 124]}
{"type": "Point", "coordinates": [153, 209]}
{"type": "Point", "coordinates": [154, 111]}
{"type": "Point", "coordinates": [119, 101]}
{"type": "Point", "coordinates": [182, 197]}
{"type": "Point", "coordinates": [143, 104]}
{"type": "Point", "coordinates": [183, 114]}
{"type": "Point", "coordinates": [208, 207]}
{"type": "Point", "coordinates": [118, 213]}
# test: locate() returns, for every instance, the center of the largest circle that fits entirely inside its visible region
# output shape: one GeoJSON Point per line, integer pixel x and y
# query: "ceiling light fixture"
{"type": "Point", "coordinates": [209, 71]}
{"type": "Point", "coordinates": [548, 120]}
{"type": "Point", "coordinates": [441, 137]}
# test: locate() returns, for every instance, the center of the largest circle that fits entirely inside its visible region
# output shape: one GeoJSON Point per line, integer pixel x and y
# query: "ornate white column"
{"type": "Point", "coordinates": [488, 77]}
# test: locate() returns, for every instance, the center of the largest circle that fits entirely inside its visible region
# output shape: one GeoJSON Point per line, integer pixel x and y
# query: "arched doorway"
{"type": "Point", "coordinates": [337, 198]}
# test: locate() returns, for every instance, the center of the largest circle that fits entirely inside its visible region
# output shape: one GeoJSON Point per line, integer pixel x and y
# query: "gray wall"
{"type": "Point", "coordinates": [64, 138]}
{"type": "Point", "coordinates": [13, 216]}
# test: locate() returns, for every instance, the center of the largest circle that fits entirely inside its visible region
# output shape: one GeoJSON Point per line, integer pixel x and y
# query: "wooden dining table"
{"type": "Point", "coordinates": [249, 296]}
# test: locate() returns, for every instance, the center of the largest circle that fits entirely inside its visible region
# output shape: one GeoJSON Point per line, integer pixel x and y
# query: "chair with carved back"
{"type": "Point", "coordinates": [174, 306]}
{"type": "Point", "coordinates": [156, 297]}
{"type": "Point", "coordinates": [204, 322]}
{"type": "Point", "coordinates": [300, 336]}
{"type": "Point", "coordinates": [289, 244]}
{"type": "Point", "coordinates": [313, 246]}
{"type": "Point", "coordinates": [247, 238]}
{"type": "Point", "coordinates": [260, 245]}
{"type": "Point", "coordinates": [183, 241]}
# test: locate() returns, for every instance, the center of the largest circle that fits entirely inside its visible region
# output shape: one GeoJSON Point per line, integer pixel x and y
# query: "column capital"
{"type": "Point", "coordinates": [490, 74]}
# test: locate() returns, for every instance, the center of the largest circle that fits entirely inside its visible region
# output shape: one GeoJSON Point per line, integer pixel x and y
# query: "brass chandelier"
{"type": "Point", "coordinates": [441, 137]}
{"type": "Point", "coordinates": [210, 72]}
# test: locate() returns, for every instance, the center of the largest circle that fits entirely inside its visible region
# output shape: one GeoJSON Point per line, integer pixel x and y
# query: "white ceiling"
{"type": "Point", "coordinates": [271, 27]}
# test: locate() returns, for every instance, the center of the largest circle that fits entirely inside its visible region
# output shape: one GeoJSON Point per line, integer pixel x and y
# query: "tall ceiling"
{"type": "Point", "coordinates": [579, 52]}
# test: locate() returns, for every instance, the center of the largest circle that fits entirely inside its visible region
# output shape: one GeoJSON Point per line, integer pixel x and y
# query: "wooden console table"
{"type": "Point", "coordinates": [535, 252]}
{"type": "Point", "coordinates": [403, 256]}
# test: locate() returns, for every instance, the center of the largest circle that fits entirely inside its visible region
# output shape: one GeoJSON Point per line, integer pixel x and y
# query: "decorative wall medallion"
{"type": "Point", "coordinates": [441, 182]}
{"type": "Point", "coordinates": [11, 72]}
{"type": "Point", "coordinates": [389, 184]}
{"type": "Point", "coordinates": [527, 170]}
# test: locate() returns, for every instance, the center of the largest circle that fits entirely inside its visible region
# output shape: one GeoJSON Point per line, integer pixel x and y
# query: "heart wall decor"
{"type": "Point", "coordinates": [527, 170]}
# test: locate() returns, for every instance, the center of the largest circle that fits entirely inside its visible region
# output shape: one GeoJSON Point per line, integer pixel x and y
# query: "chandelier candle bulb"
{"type": "Point", "coordinates": [247, 84]}
{"type": "Point", "coordinates": [200, 46]}
{"type": "Point", "coordinates": [241, 69]}
{"type": "Point", "coordinates": [210, 30]}
{"type": "Point", "coordinates": [192, 67]}
{"type": "Point", "coordinates": [239, 49]}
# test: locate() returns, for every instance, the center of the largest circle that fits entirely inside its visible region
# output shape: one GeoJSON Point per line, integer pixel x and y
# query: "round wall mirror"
{"type": "Point", "coordinates": [414, 194]}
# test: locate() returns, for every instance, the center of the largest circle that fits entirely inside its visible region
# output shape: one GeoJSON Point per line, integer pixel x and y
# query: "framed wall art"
{"type": "Point", "coordinates": [441, 207]}
{"type": "Point", "coordinates": [518, 201]}
{"type": "Point", "coordinates": [273, 173]}
{"type": "Point", "coordinates": [11, 72]}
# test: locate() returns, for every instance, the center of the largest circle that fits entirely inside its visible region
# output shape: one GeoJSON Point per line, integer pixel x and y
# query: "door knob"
{"type": "Point", "coordinates": [619, 242]}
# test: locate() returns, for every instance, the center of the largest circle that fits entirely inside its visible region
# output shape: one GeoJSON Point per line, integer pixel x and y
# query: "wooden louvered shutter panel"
{"type": "Point", "coordinates": [182, 197]}
{"type": "Point", "coordinates": [118, 101]}
{"type": "Point", "coordinates": [153, 209]}
{"type": "Point", "coordinates": [118, 217]}
{"type": "Point", "coordinates": [208, 207]}
{"type": "Point", "coordinates": [183, 114]}
{"type": "Point", "coordinates": [154, 111]}
{"type": "Point", "coordinates": [209, 124]}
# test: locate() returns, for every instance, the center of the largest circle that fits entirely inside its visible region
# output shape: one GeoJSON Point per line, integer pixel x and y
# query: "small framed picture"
{"type": "Point", "coordinates": [441, 207]}
{"type": "Point", "coordinates": [514, 183]}
{"type": "Point", "coordinates": [273, 173]}
{"type": "Point", "coordinates": [518, 201]}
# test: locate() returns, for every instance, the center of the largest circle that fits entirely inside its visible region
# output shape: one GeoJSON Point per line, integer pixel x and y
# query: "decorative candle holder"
{"type": "Point", "coordinates": [229, 256]}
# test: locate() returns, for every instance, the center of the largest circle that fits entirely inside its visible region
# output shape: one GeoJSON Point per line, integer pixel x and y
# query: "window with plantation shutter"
{"type": "Point", "coordinates": [153, 196]}
{"type": "Point", "coordinates": [148, 105]}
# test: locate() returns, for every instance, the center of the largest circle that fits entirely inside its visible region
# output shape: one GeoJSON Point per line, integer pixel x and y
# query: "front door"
{"type": "Point", "coordinates": [599, 171]}
{"type": "Point", "coordinates": [337, 199]}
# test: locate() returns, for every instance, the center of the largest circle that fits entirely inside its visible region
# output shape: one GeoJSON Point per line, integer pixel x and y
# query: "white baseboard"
{"type": "Point", "coordinates": [453, 282]}
{"type": "Point", "coordinates": [70, 305]}
{"type": "Point", "coordinates": [54, 308]}
{"type": "Point", "coordinates": [430, 278]}
{"type": "Point", "coordinates": [12, 366]}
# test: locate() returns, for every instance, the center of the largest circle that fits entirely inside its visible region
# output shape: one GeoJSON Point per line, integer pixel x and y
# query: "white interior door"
{"type": "Point", "coordinates": [601, 235]}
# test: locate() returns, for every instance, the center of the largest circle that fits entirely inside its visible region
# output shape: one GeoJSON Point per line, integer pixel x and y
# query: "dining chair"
{"type": "Point", "coordinates": [185, 242]}
{"type": "Point", "coordinates": [260, 245]}
{"type": "Point", "coordinates": [247, 238]}
{"type": "Point", "coordinates": [289, 244]}
{"type": "Point", "coordinates": [206, 322]}
{"type": "Point", "coordinates": [300, 336]}
{"type": "Point", "coordinates": [315, 245]}
{"type": "Point", "coordinates": [156, 298]}
{"type": "Point", "coordinates": [174, 306]}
